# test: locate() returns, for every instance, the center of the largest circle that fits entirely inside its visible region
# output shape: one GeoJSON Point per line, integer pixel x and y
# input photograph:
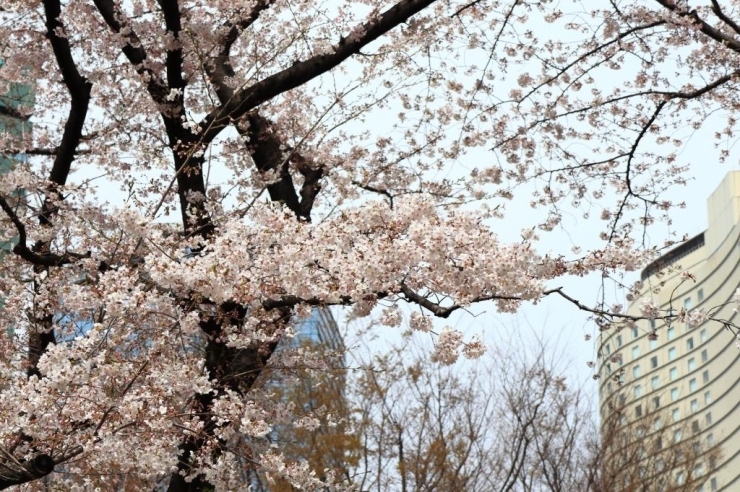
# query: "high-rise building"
{"type": "Point", "coordinates": [14, 125]}
{"type": "Point", "coordinates": [313, 392]}
{"type": "Point", "coordinates": [319, 329]}
{"type": "Point", "coordinates": [687, 372]}
{"type": "Point", "coordinates": [14, 118]}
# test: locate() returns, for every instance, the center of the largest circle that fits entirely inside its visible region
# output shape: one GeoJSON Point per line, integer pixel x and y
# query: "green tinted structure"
{"type": "Point", "coordinates": [15, 105]}
{"type": "Point", "coordinates": [14, 108]}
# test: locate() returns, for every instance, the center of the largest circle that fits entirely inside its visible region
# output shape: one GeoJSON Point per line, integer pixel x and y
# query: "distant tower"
{"type": "Point", "coordinates": [311, 391]}
{"type": "Point", "coordinates": [15, 105]}
{"type": "Point", "coordinates": [688, 373]}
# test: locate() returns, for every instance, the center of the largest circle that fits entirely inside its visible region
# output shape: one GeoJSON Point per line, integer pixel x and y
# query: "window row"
{"type": "Point", "coordinates": [654, 343]}
{"type": "Point", "coordinates": [673, 372]}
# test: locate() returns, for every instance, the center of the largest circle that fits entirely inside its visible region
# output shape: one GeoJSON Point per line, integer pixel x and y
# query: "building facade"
{"type": "Point", "coordinates": [15, 104]}
{"type": "Point", "coordinates": [313, 392]}
{"type": "Point", "coordinates": [687, 373]}
{"type": "Point", "coordinates": [15, 124]}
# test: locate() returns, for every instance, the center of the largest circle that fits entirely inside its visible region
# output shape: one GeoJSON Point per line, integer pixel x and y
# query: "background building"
{"type": "Point", "coordinates": [315, 392]}
{"type": "Point", "coordinates": [14, 119]}
{"type": "Point", "coordinates": [14, 125]}
{"type": "Point", "coordinates": [688, 372]}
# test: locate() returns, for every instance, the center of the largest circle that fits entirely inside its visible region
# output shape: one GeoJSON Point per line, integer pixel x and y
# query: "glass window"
{"type": "Point", "coordinates": [673, 373]}
{"type": "Point", "coordinates": [703, 335]}
{"type": "Point", "coordinates": [694, 405]}
{"type": "Point", "coordinates": [707, 398]}
{"type": "Point", "coordinates": [690, 343]}
{"type": "Point", "coordinates": [713, 484]}
{"type": "Point", "coordinates": [607, 349]}
{"type": "Point", "coordinates": [692, 385]}
{"type": "Point", "coordinates": [704, 356]}
{"type": "Point", "coordinates": [695, 429]}
{"type": "Point", "coordinates": [653, 344]}
{"type": "Point", "coordinates": [608, 368]}
{"type": "Point", "coordinates": [687, 303]}
{"type": "Point", "coordinates": [654, 362]}
{"type": "Point", "coordinates": [635, 333]}
{"type": "Point", "coordinates": [657, 424]}
{"type": "Point", "coordinates": [671, 353]}
{"type": "Point", "coordinates": [635, 351]}
{"type": "Point", "coordinates": [655, 382]}
{"type": "Point", "coordinates": [674, 394]}
{"type": "Point", "coordinates": [676, 414]}
{"type": "Point", "coordinates": [700, 295]}
{"type": "Point", "coordinates": [677, 435]}
{"type": "Point", "coordinates": [656, 402]}
{"type": "Point", "coordinates": [710, 439]}
{"type": "Point", "coordinates": [636, 371]}
{"type": "Point", "coordinates": [638, 411]}
{"type": "Point", "coordinates": [671, 333]}
{"type": "Point", "coordinates": [692, 364]}
{"type": "Point", "coordinates": [708, 418]}
{"type": "Point", "coordinates": [652, 325]}
{"type": "Point", "coordinates": [619, 340]}
{"type": "Point", "coordinates": [705, 377]}
{"type": "Point", "coordinates": [638, 391]}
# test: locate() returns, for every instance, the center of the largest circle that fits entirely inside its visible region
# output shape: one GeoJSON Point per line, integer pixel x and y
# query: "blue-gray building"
{"type": "Point", "coordinates": [15, 105]}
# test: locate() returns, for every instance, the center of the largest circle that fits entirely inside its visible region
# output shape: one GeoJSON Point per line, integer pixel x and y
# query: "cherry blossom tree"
{"type": "Point", "coordinates": [203, 173]}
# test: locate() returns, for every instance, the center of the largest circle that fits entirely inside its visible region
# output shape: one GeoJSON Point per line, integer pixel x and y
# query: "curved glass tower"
{"type": "Point", "coordinates": [687, 373]}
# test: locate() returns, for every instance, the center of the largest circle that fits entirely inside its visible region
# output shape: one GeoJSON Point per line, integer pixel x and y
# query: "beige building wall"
{"type": "Point", "coordinates": [691, 373]}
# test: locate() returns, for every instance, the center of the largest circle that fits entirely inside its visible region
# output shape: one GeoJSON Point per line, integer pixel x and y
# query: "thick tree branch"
{"type": "Point", "coordinates": [79, 90]}
{"type": "Point", "coordinates": [172, 20]}
{"type": "Point", "coordinates": [220, 67]}
{"type": "Point", "coordinates": [17, 472]}
{"type": "Point", "coordinates": [703, 25]}
{"type": "Point", "coordinates": [41, 259]}
{"type": "Point", "coordinates": [133, 50]}
{"type": "Point", "coordinates": [312, 175]}
{"type": "Point", "coordinates": [13, 113]}
{"type": "Point", "coordinates": [301, 72]}
{"type": "Point", "coordinates": [723, 17]}
{"type": "Point", "coordinates": [265, 143]}
{"type": "Point", "coordinates": [14, 472]}
{"type": "Point", "coordinates": [266, 148]}
{"type": "Point", "coordinates": [40, 151]}
{"type": "Point", "coordinates": [184, 144]}
{"type": "Point", "coordinates": [268, 151]}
